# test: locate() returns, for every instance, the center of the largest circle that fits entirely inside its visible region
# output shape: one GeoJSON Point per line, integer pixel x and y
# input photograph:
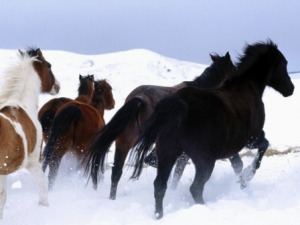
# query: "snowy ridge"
{"type": "Point", "coordinates": [123, 70]}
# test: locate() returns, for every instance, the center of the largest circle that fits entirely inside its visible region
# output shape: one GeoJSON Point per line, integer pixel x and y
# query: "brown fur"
{"type": "Point", "coordinates": [48, 110]}
{"type": "Point", "coordinates": [73, 126]}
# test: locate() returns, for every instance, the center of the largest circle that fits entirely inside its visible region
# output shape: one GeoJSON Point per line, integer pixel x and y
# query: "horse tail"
{"type": "Point", "coordinates": [167, 117]}
{"type": "Point", "coordinates": [103, 139]}
{"type": "Point", "coordinates": [46, 119]}
{"type": "Point", "coordinates": [65, 119]}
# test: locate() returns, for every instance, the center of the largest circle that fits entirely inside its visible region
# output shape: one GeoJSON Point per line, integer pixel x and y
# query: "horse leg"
{"type": "Point", "coordinates": [165, 165]}
{"type": "Point", "coordinates": [123, 146]}
{"type": "Point", "coordinates": [179, 168]}
{"type": "Point", "coordinates": [53, 166]}
{"type": "Point", "coordinates": [250, 171]}
{"type": "Point", "coordinates": [203, 173]}
{"type": "Point", "coordinates": [236, 163]}
{"type": "Point", "coordinates": [117, 170]}
{"type": "Point", "coordinates": [35, 169]}
{"type": "Point", "coordinates": [2, 194]}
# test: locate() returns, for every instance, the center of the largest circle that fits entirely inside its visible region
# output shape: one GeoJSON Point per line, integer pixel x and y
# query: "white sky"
{"type": "Point", "coordinates": [187, 30]}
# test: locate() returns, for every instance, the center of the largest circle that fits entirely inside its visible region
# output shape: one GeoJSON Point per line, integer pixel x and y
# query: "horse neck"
{"type": "Point", "coordinates": [254, 77]}
{"type": "Point", "coordinates": [211, 77]}
{"type": "Point", "coordinates": [100, 108]}
{"type": "Point", "coordinates": [84, 99]}
{"type": "Point", "coordinates": [21, 89]}
{"type": "Point", "coordinates": [85, 95]}
{"type": "Point", "coordinates": [98, 104]}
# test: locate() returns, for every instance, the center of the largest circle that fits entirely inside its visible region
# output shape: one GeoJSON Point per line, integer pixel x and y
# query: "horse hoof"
{"type": "Point", "coordinates": [158, 215]}
{"type": "Point", "coordinates": [112, 197]}
{"type": "Point", "coordinates": [243, 185]}
{"type": "Point", "coordinates": [44, 203]}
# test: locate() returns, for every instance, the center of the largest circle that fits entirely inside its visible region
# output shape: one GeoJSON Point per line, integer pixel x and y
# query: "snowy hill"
{"type": "Point", "coordinates": [123, 70]}
{"type": "Point", "coordinates": [271, 198]}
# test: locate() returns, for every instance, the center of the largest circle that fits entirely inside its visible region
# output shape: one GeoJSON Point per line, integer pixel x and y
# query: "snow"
{"type": "Point", "coordinates": [272, 197]}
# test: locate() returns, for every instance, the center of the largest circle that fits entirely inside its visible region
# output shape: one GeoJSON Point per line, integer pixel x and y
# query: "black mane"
{"type": "Point", "coordinates": [251, 55]}
{"type": "Point", "coordinates": [32, 51]}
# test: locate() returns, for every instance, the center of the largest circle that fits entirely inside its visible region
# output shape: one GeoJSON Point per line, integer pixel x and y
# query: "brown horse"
{"type": "Point", "coordinates": [73, 125]}
{"type": "Point", "coordinates": [211, 124]}
{"type": "Point", "coordinates": [123, 128]}
{"type": "Point", "coordinates": [48, 110]}
{"type": "Point", "coordinates": [20, 130]}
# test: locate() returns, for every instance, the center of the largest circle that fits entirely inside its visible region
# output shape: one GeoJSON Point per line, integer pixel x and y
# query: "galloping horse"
{"type": "Point", "coordinates": [123, 128]}
{"type": "Point", "coordinates": [73, 125]}
{"type": "Point", "coordinates": [20, 130]}
{"type": "Point", "coordinates": [48, 110]}
{"type": "Point", "coordinates": [212, 124]}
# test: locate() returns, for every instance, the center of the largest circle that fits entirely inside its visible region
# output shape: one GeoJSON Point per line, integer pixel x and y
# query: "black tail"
{"type": "Point", "coordinates": [61, 122]}
{"type": "Point", "coordinates": [46, 119]}
{"type": "Point", "coordinates": [168, 115]}
{"type": "Point", "coordinates": [103, 139]}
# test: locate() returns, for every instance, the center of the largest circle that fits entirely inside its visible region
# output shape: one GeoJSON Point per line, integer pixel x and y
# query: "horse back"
{"type": "Point", "coordinates": [220, 121]}
{"type": "Point", "coordinates": [18, 137]}
{"type": "Point", "coordinates": [53, 105]}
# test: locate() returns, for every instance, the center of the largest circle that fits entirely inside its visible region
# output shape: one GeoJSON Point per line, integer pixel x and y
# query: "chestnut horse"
{"type": "Point", "coordinates": [211, 124]}
{"type": "Point", "coordinates": [48, 110]}
{"type": "Point", "coordinates": [73, 125]}
{"type": "Point", "coordinates": [20, 130]}
{"type": "Point", "coordinates": [123, 128]}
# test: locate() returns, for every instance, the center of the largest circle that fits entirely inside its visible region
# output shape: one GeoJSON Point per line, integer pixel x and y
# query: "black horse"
{"type": "Point", "coordinates": [123, 128]}
{"type": "Point", "coordinates": [211, 124]}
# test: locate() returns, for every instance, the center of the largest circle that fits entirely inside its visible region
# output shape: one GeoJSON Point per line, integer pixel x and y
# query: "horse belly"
{"type": "Point", "coordinates": [12, 152]}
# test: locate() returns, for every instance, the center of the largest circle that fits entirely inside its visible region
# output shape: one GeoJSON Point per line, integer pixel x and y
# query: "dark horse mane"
{"type": "Point", "coordinates": [32, 51]}
{"type": "Point", "coordinates": [205, 79]}
{"type": "Point", "coordinates": [250, 56]}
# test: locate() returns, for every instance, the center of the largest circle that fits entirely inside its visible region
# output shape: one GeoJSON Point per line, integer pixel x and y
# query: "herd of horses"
{"type": "Point", "coordinates": [211, 117]}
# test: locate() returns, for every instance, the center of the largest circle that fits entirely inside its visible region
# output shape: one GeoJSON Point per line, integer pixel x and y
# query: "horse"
{"type": "Point", "coordinates": [123, 128]}
{"type": "Point", "coordinates": [20, 130]}
{"type": "Point", "coordinates": [48, 110]}
{"type": "Point", "coordinates": [73, 125]}
{"type": "Point", "coordinates": [211, 124]}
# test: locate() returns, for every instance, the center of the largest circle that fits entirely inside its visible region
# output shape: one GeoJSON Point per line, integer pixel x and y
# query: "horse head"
{"type": "Point", "coordinates": [103, 94]}
{"type": "Point", "coordinates": [49, 84]}
{"type": "Point", "coordinates": [279, 78]}
{"type": "Point", "coordinates": [86, 87]}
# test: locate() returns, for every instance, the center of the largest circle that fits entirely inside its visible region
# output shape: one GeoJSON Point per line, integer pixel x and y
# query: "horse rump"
{"type": "Point", "coordinates": [168, 116]}
{"type": "Point", "coordinates": [63, 120]}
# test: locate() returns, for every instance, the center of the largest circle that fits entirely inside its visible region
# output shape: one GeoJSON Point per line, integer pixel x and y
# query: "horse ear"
{"type": "Point", "coordinates": [39, 52]}
{"type": "Point", "coordinates": [21, 53]}
{"type": "Point", "coordinates": [213, 57]}
{"type": "Point", "coordinates": [227, 55]}
{"type": "Point", "coordinates": [80, 76]}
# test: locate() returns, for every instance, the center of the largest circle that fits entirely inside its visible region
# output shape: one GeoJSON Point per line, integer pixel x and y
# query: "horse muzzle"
{"type": "Point", "coordinates": [55, 88]}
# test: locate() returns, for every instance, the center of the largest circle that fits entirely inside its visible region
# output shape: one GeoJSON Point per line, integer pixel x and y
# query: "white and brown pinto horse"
{"type": "Point", "coordinates": [20, 130]}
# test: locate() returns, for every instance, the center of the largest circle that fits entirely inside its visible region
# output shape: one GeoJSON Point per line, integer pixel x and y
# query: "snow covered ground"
{"type": "Point", "coordinates": [272, 197]}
